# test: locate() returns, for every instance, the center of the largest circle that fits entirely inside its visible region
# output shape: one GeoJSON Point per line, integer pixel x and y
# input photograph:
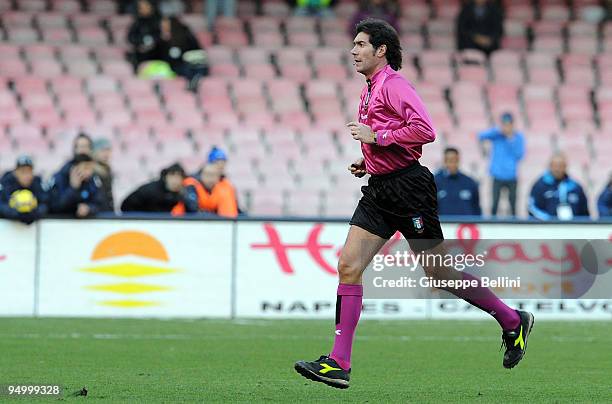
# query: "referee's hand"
{"type": "Point", "coordinates": [358, 168]}
{"type": "Point", "coordinates": [361, 132]}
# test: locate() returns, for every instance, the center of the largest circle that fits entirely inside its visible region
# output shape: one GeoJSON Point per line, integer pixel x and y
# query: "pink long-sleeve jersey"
{"type": "Point", "coordinates": [393, 109]}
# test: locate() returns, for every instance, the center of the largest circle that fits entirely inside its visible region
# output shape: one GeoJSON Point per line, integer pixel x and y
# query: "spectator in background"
{"type": "Point", "coordinates": [179, 48]}
{"type": "Point", "coordinates": [457, 193]}
{"type": "Point", "coordinates": [214, 195]}
{"type": "Point", "coordinates": [314, 8]}
{"type": "Point", "coordinates": [163, 194]}
{"type": "Point", "coordinates": [144, 34]}
{"type": "Point", "coordinates": [480, 26]}
{"type": "Point", "coordinates": [387, 10]}
{"type": "Point", "coordinates": [557, 196]}
{"type": "Point", "coordinates": [22, 195]}
{"type": "Point", "coordinates": [508, 148]}
{"type": "Point", "coordinates": [604, 202]}
{"type": "Point", "coordinates": [217, 157]}
{"type": "Point", "coordinates": [217, 7]}
{"type": "Point", "coordinates": [82, 144]}
{"type": "Point", "coordinates": [102, 152]}
{"type": "Point", "coordinates": [76, 189]}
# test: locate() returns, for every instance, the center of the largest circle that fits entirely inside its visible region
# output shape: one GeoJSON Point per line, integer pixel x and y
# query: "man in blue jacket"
{"type": "Point", "coordinates": [76, 189]}
{"type": "Point", "coordinates": [557, 196]}
{"type": "Point", "coordinates": [457, 193]}
{"type": "Point", "coordinates": [604, 202]}
{"type": "Point", "coordinates": [22, 194]}
{"type": "Point", "coordinates": [508, 148]}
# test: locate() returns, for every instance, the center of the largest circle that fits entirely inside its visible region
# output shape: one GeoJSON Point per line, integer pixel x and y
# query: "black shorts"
{"type": "Point", "coordinates": [404, 201]}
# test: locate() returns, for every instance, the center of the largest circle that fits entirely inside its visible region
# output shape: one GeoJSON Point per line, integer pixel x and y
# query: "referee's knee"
{"type": "Point", "coordinates": [348, 272]}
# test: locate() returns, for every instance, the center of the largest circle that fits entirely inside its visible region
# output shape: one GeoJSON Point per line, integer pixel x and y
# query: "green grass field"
{"type": "Point", "coordinates": [252, 361]}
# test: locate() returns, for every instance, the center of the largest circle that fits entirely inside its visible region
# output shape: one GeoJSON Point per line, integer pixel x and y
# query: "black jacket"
{"type": "Point", "coordinates": [155, 197]}
{"type": "Point", "coordinates": [64, 199]}
{"type": "Point", "coordinates": [144, 36]}
{"type": "Point", "coordinates": [106, 176]}
{"type": "Point", "coordinates": [181, 40]}
{"type": "Point", "coordinates": [470, 23]}
{"type": "Point", "coordinates": [8, 185]}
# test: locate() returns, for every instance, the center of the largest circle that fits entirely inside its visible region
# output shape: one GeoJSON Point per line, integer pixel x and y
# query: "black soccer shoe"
{"type": "Point", "coordinates": [324, 370]}
{"type": "Point", "coordinates": [515, 340]}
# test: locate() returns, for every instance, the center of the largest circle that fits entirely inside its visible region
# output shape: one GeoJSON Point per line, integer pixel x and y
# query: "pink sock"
{"type": "Point", "coordinates": [485, 299]}
{"type": "Point", "coordinates": [348, 310]}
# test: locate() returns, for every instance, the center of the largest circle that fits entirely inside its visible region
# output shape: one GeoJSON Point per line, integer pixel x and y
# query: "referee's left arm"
{"type": "Point", "coordinates": [405, 102]}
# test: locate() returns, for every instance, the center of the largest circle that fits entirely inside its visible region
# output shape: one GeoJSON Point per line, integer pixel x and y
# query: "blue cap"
{"type": "Point", "coordinates": [507, 117]}
{"type": "Point", "coordinates": [216, 154]}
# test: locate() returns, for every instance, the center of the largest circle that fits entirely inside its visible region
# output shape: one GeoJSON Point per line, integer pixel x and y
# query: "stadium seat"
{"type": "Point", "coordinates": [224, 70]}
{"type": "Point", "coordinates": [262, 71]}
{"type": "Point", "coordinates": [22, 35]}
{"type": "Point", "coordinates": [245, 56]}
{"type": "Point", "coordinates": [92, 36]}
{"type": "Point", "coordinates": [66, 6]}
{"type": "Point", "coordinates": [30, 84]}
{"type": "Point", "coordinates": [117, 68]}
{"type": "Point", "coordinates": [51, 20]}
{"type": "Point", "coordinates": [35, 52]}
{"type": "Point", "coordinates": [296, 72]}
{"type": "Point", "coordinates": [232, 38]}
{"type": "Point", "coordinates": [556, 13]}
{"type": "Point", "coordinates": [15, 19]}
{"type": "Point", "coordinates": [102, 7]}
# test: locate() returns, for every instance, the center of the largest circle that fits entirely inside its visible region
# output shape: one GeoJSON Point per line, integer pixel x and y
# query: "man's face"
{"type": "Point", "coordinates": [174, 182]}
{"type": "Point", "coordinates": [558, 167]}
{"type": "Point", "coordinates": [82, 146]}
{"type": "Point", "coordinates": [451, 162]}
{"type": "Point", "coordinates": [24, 175]}
{"type": "Point", "coordinates": [507, 128]}
{"type": "Point", "coordinates": [220, 164]}
{"type": "Point", "coordinates": [211, 175]}
{"type": "Point", "coordinates": [104, 155]}
{"type": "Point", "coordinates": [364, 54]}
{"type": "Point", "coordinates": [87, 168]}
{"type": "Point", "coordinates": [144, 8]}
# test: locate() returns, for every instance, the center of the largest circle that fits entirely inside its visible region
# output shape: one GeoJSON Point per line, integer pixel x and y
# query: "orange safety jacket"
{"type": "Point", "coordinates": [221, 200]}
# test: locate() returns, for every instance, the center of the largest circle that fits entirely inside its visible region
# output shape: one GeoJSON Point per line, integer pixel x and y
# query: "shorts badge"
{"type": "Point", "coordinates": [419, 227]}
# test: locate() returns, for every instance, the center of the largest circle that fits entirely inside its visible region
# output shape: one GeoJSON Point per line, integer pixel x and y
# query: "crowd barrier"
{"type": "Point", "coordinates": [225, 269]}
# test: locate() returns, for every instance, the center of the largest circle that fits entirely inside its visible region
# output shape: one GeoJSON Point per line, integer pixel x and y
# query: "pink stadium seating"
{"type": "Point", "coordinates": [66, 6]}
{"type": "Point", "coordinates": [36, 52]}
{"type": "Point", "coordinates": [86, 83]}
{"type": "Point", "coordinates": [13, 19]}
{"type": "Point", "coordinates": [245, 56]}
{"type": "Point", "coordinates": [224, 70]}
{"type": "Point", "coordinates": [51, 20]}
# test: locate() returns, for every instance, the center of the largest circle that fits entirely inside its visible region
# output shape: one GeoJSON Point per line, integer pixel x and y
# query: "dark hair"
{"type": "Point", "coordinates": [81, 158]}
{"type": "Point", "coordinates": [451, 150]}
{"type": "Point", "coordinates": [382, 33]}
{"type": "Point", "coordinates": [175, 168]}
{"type": "Point", "coordinates": [82, 135]}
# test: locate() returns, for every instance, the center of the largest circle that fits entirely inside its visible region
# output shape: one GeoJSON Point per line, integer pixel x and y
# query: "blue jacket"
{"type": "Point", "coordinates": [505, 153]}
{"type": "Point", "coordinates": [604, 202]}
{"type": "Point", "coordinates": [64, 199]}
{"type": "Point", "coordinates": [548, 192]}
{"type": "Point", "coordinates": [457, 194]}
{"type": "Point", "coordinates": [9, 184]}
